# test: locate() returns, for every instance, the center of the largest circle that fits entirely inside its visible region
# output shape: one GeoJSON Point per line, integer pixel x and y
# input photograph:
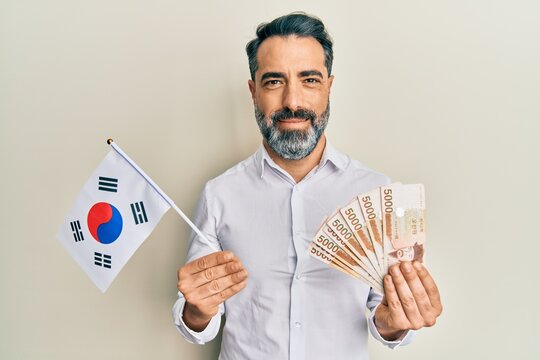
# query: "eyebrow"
{"type": "Point", "coordinates": [272, 75]}
{"type": "Point", "coordinates": [280, 75]}
{"type": "Point", "coordinates": [307, 73]}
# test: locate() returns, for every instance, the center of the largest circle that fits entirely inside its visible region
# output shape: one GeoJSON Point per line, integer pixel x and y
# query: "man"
{"type": "Point", "coordinates": [264, 212]}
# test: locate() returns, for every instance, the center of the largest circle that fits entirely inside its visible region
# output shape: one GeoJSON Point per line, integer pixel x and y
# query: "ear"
{"type": "Point", "coordinates": [330, 82]}
{"type": "Point", "coordinates": [251, 85]}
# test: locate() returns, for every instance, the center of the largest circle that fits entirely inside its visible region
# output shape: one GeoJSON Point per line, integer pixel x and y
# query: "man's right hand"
{"type": "Point", "coordinates": [207, 282]}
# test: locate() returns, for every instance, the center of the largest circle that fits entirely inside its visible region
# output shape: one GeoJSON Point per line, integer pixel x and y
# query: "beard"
{"type": "Point", "coordinates": [292, 144]}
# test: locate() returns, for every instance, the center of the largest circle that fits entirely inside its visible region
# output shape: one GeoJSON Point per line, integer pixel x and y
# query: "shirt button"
{"type": "Point", "coordinates": [297, 324]}
{"type": "Point", "coordinates": [298, 276]}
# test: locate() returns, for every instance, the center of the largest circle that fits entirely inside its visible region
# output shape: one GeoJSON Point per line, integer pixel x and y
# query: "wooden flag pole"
{"type": "Point", "coordinates": [162, 193]}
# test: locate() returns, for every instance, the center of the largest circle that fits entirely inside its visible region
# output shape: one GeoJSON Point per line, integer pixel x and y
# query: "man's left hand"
{"type": "Point", "coordinates": [411, 300]}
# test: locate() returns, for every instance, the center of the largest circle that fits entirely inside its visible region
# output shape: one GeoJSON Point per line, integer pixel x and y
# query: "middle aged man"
{"type": "Point", "coordinates": [264, 212]}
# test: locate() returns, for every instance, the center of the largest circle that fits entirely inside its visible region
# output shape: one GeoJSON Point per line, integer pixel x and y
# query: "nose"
{"type": "Point", "coordinates": [292, 96]}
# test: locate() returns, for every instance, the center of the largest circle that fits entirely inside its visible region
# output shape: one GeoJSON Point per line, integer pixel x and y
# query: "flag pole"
{"type": "Point", "coordinates": [161, 192]}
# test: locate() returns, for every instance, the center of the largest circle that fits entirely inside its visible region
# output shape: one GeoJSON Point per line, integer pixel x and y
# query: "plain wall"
{"type": "Point", "coordinates": [440, 92]}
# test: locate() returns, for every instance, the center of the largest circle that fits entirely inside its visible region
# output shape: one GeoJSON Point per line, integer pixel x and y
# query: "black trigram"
{"type": "Point", "coordinates": [76, 228]}
{"type": "Point", "coordinates": [102, 260]}
{"type": "Point", "coordinates": [139, 214]}
{"type": "Point", "coordinates": [107, 184]}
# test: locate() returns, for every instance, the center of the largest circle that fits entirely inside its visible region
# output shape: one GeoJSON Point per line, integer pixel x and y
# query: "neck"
{"type": "Point", "coordinates": [298, 169]}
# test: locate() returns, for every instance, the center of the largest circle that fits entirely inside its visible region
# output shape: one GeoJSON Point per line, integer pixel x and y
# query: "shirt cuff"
{"type": "Point", "coordinates": [404, 339]}
{"type": "Point", "coordinates": [194, 337]}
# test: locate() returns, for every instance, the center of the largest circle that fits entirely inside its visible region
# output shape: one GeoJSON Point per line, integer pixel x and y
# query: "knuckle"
{"type": "Point", "coordinates": [398, 280]}
{"type": "Point", "coordinates": [239, 276]}
{"type": "Point", "coordinates": [182, 287]}
{"type": "Point", "coordinates": [421, 272]}
{"type": "Point", "coordinates": [202, 263]}
{"type": "Point", "coordinates": [409, 275]}
{"type": "Point", "coordinates": [239, 286]}
{"type": "Point", "coordinates": [408, 301]}
{"type": "Point", "coordinates": [432, 289]}
{"type": "Point", "coordinates": [394, 304]}
{"type": "Point", "coordinates": [214, 285]}
{"type": "Point", "coordinates": [232, 266]}
{"type": "Point", "coordinates": [429, 322]}
{"type": "Point", "coordinates": [181, 273]}
{"type": "Point", "coordinates": [425, 307]}
{"type": "Point", "coordinates": [209, 274]}
{"type": "Point", "coordinates": [189, 298]}
{"type": "Point", "coordinates": [422, 295]}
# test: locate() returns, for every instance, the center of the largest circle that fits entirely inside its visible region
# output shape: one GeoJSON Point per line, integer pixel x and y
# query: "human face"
{"type": "Point", "coordinates": [291, 94]}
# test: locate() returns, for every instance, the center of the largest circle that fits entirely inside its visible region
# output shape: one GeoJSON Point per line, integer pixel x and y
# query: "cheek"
{"type": "Point", "coordinates": [318, 102]}
{"type": "Point", "coordinates": [269, 98]}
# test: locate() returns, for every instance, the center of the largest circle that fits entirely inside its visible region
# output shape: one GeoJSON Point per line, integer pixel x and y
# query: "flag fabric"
{"type": "Point", "coordinates": [117, 209]}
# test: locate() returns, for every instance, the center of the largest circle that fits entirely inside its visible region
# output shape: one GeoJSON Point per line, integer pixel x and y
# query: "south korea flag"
{"type": "Point", "coordinates": [118, 207]}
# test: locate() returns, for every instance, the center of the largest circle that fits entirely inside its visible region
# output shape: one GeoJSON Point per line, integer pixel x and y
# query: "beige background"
{"type": "Point", "coordinates": [453, 88]}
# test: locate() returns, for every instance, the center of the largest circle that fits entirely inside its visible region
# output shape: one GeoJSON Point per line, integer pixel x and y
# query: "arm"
{"type": "Point", "coordinates": [207, 276]}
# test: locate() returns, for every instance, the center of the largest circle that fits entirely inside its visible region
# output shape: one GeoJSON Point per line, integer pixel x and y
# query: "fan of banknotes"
{"type": "Point", "coordinates": [375, 230]}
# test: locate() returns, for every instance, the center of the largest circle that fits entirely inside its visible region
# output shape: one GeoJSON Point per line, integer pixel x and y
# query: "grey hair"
{"type": "Point", "coordinates": [296, 23]}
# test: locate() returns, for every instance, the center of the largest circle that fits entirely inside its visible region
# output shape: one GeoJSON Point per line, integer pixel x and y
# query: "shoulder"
{"type": "Point", "coordinates": [358, 170]}
{"type": "Point", "coordinates": [238, 174]}
{"type": "Point", "coordinates": [362, 170]}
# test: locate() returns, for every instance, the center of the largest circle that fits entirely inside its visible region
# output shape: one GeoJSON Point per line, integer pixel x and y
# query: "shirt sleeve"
{"type": "Point", "coordinates": [374, 300]}
{"type": "Point", "coordinates": [208, 334]}
{"type": "Point", "coordinates": [205, 221]}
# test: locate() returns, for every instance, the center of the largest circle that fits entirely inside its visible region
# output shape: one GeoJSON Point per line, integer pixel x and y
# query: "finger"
{"type": "Point", "coordinates": [406, 298]}
{"type": "Point", "coordinates": [225, 294]}
{"type": "Point", "coordinates": [215, 272]}
{"type": "Point", "coordinates": [208, 261]}
{"type": "Point", "coordinates": [419, 293]}
{"type": "Point", "coordinates": [398, 319]}
{"type": "Point", "coordinates": [430, 286]}
{"type": "Point", "coordinates": [218, 285]}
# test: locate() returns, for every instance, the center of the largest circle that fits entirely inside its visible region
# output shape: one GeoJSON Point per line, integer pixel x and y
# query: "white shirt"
{"type": "Point", "coordinates": [294, 306]}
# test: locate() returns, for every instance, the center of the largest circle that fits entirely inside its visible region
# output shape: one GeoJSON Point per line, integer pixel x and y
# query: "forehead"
{"type": "Point", "coordinates": [290, 54]}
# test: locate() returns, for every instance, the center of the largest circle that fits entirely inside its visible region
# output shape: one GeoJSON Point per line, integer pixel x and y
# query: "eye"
{"type": "Point", "coordinates": [272, 83]}
{"type": "Point", "coordinates": [312, 81]}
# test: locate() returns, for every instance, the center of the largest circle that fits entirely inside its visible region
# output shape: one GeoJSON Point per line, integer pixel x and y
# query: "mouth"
{"type": "Point", "coordinates": [293, 120]}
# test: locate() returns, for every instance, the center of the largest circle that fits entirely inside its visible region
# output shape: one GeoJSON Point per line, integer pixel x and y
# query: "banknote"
{"type": "Point", "coordinates": [338, 230]}
{"type": "Point", "coordinates": [370, 204]}
{"type": "Point", "coordinates": [321, 255]}
{"type": "Point", "coordinates": [338, 249]}
{"type": "Point", "coordinates": [352, 214]}
{"type": "Point", "coordinates": [328, 252]}
{"type": "Point", "coordinates": [375, 230]}
{"type": "Point", "coordinates": [404, 222]}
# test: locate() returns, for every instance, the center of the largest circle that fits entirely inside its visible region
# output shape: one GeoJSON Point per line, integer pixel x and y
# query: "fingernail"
{"type": "Point", "coordinates": [228, 255]}
{"type": "Point", "coordinates": [394, 270]}
{"type": "Point", "coordinates": [417, 265]}
{"type": "Point", "coordinates": [406, 266]}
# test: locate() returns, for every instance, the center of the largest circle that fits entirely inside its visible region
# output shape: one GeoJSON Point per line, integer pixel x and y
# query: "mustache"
{"type": "Point", "coordinates": [285, 114]}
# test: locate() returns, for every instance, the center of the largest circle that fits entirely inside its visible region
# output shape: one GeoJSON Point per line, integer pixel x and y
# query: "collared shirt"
{"type": "Point", "coordinates": [294, 306]}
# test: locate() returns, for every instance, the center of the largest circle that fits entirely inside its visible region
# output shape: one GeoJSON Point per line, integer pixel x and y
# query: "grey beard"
{"type": "Point", "coordinates": [292, 144]}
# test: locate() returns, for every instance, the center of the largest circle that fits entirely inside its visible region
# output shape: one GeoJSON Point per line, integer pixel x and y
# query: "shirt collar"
{"type": "Point", "coordinates": [330, 154]}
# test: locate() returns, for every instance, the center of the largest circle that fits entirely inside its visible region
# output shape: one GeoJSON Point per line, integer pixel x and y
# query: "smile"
{"type": "Point", "coordinates": [293, 120]}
